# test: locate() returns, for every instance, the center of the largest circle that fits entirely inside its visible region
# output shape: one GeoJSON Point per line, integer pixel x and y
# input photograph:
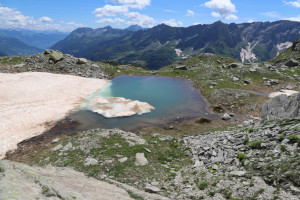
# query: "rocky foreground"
{"type": "Point", "coordinates": [256, 160]}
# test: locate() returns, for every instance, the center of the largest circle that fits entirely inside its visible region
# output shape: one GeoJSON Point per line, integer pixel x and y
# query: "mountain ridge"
{"type": "Point", "coordinates": [41, 40]}
{"type": "Point", "coordinates": [163, 44]}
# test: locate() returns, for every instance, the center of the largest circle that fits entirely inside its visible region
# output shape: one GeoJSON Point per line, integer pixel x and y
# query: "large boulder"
{"type": "Point", "coordinates": [292, 63]}
{"type": "Point", "coordinates": [56, 56]}
{"type": "Point", "coordinates": [140, 159]}
{"type": "Point", "coordinates": [90, 161]}
{"type": "Point", "coordinates": [235, 65]}
{"type": "Point", "coordinates": [82, 61]}
{"type": "Point", "coordinates": [281, 107]}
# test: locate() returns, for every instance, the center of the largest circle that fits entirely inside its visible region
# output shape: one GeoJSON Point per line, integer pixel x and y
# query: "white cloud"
{"type": "Point", "coordinates": [222, 8]}
{"type": "Point", "coordinates": [110, 20]}
{"type": "Point", "coordinates": [171, 11]}
{"type": "Point", "coordinates": [293, 3]}
{"type": "Point", "coordinates": [140, 19]}
{"type": "Point", "coordinates": [124, 10]}
{"type": "Point", "coordinates": [10, 18]}
{"type": "Point", "coordinates": [139, 4]}
{"type": "Point", "coordinates": [71, 23]}
{"type": "Point", "coordinates": [173, 23]}
{"type": "Point", "coordinates": [272, 14]}
{"type": "Point", "coordinates": [250, 20]}
{"type": "Point", "coordinates": [276, 15]}
{"type": "Point", "coordinates": [190, 13]}
{"type": "Point", "coordinates": [197, 23]}
{"type": "Point", "coordinates": [296, 19]}
{"type": "Point", "coordinates": [109, 10]}
{"type": "Point", "coordinates": [45, 19]}
{"type": "Point", "coordinates": [13, 19]}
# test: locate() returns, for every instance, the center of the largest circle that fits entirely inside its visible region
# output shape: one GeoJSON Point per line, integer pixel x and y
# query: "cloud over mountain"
{"type": "Point", "coordinates": [123, 13]}
{"type": "Point", "coordinates": [14, 19]}
{"type": "Point", "coordinates": [222, 8]}
{"type": "Point", "coordinates": [139, 4]}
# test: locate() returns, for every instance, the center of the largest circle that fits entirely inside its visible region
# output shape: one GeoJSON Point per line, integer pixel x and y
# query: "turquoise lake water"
{"type": "Point", "coordinates": [174, 99]}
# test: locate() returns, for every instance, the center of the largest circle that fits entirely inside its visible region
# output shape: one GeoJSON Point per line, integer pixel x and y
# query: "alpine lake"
{"type": "Point", "coordinates": [175, 100]}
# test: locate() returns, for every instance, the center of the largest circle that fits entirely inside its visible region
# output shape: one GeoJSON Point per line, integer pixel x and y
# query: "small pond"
{"type": "Point", "coordinates": [174, 99]}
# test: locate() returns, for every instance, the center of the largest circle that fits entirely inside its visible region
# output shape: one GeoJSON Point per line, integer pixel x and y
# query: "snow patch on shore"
{"type": "Point", "coordinates": [31, 103]}
{"type": "Point", "coordinates": [286, 92]}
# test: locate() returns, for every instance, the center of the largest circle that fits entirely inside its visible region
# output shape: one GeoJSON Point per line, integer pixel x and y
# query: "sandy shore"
{"type": "Point", "coordinates": [30, 103]}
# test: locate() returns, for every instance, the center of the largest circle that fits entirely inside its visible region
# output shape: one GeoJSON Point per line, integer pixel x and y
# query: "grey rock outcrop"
{"type": "Point", "coordinates": [281, 107]}
{"type": "Point", "coordinates": [19, 181]}
{"type": "Point", "coordinates": [63, 64]}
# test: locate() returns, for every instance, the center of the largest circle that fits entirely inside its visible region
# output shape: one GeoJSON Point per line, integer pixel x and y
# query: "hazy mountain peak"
{"type": "Point", "coordinates": [134, 28]}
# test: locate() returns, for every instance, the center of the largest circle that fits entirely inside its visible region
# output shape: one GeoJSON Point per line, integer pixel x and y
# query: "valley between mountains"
{"type": "Point", "coordinates": [245, 146]}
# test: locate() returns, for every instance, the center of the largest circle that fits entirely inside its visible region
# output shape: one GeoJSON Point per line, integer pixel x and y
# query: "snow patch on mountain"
{"type": "Point", "coordinates": [283, 46]}
{"type": "Point", "coordinates": [247, 53]}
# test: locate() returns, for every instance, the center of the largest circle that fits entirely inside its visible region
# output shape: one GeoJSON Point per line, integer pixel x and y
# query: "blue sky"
{"type": "Point", "coordinates": [66, 15]}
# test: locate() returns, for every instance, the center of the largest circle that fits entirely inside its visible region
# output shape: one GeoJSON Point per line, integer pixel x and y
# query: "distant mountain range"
{"type": "Point", "coordinates": [26, 42]}
{"type": "Point", "coordinates": [40, 40]}
{"type": "Point", "coordinates": [14, 47]}
{"type": "Point", "coordinates": [162, 44]}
